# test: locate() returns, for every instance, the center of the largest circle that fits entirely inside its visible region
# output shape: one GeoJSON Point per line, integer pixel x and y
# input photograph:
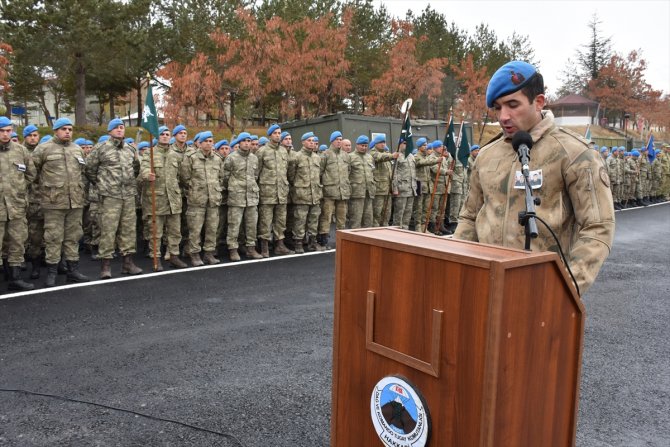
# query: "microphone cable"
{"type": "Point", "coordinates": [560, 251]}
{"type": "Point", "coordinates": [124, 410]}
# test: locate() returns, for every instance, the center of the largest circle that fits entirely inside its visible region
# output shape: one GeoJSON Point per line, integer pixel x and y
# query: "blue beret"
{"type": "Point", "coordinates": [381, 138]}
{"type": "Point", "coordinates": [143, 145]}
{"type": "Point", "coordinates": [414, 151]}
{"type": "Point", "coordinates": [335, 135]}
{"type": "Point", "coordinates": [88, 143]}
{"type": "Point", "coordinates": [80, 141]}
{"type": "Point", "coordinates": [129, 140]}
{"type": "Point", "coordinates": [205, 135]}
{"type": "Point", "coordinates": [15, 135]}
{"type": "Point", "coordinates": [60, 122]}
{"type": "Point", "coordinates": [273, 128]}
{"type": "Point", "coordinates": [509, 78]}
{"type": "Point", "coordinates": [172, 140]}
{"type": "Point", "coordinates": [163, 129]}
{"type": "Point", "coordinates": [219, 143]}
{"type": "Point", "coordinates": [178, 128]}
{"type": "Point", "coordinates": [197, 137]}
{"type": "Point", "coordinates": [635, 153]}
{"type": "Point", "coordinates": [188, 142]}
{"type": "Point", "coordinates": [113, 124]}
{"type": "Point", "coordinates": [4, 122]}
{"type": "Point", "coordinates": [45, 138]}
{"type": "Point", "coordinates": [643, 148]}
{"type": "Point", "coordinates": [243, 136]}
{"type": "Point", "coordinates": [474, 147]}
{"type": "Point", "coordinates": [657, 151]}
{"type": "Point", "coordinates": [420, 142]}
{"type": "Point", "coordinates": [103, 138]}
{"type": "Point", "coordinates": [254, 137]}
{"type": "Point", "coordinates": [622, 148]}
{"type": "Point", "coordinates": [225, 142]}
{"type": "Point", "coordinates": [154, 141]}
{"type": "Point", "coordinates": [306, 136]}
{"type": "Point", "coordinates": [363, 139]}
{"type": "Point", "coordinates": [283, 135]}
{"type": "Point", "coordinates": [323, 147]}
{"type": "Point", "coordinates": [30, 128]}
{"type": "Point", "coordinates": [437, 143]}
{"type": "Point", "coordinates": [262, 141]}
{"type": "Point", "coordinates": [316, 138]}
{"type": "Point", "coordinates": [603, 150]}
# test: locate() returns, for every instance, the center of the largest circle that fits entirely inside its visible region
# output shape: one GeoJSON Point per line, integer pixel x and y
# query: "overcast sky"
{"type": "Point", "coordinates": [557, 28]}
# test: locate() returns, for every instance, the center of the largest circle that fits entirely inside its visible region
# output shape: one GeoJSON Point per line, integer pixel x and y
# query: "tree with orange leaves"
{"type": "Point", "coordinates": [405, 77]}
{"type": "Point", "coordinates": [5, 51]}
{"type": "Point", "coordinates": [472, 103]}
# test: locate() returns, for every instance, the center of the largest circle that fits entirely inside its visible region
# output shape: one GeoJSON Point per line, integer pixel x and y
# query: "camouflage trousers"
{"type": "Point", "coordinates": [35, 230]}
{"type": "Point", "coordinates": [223, 225]}
{"type": "Point", "coordinates": [305, 220]}
{"type": "Point", "coordinates": [203, 226]}
{"type": "Point", "coordinates": [421, 203]}
{"type": "Point", "coordinates": [13, 234]}
{"type": "Point", "coordinates": [378, 205]}
{"type": "Point", "coordinates": [271, 221]}
{"type": "Point", "coordinates": [455, 204]}
{"type": "Point", "coordinates": [237, 214]}
{"type": "Point", "coordinates": [118, 226]}
{"type": "Point", "coordinates": [402, 211]}
{"type": "Point", "coordinates": [328, 208]}
{"type": "Point", "coordinates": [360, 212]}
{"type": "Point", "coordinates": [437, 210]}
{"type": "Point", "coordinates": [62, 232]}
{"type": "Point", "coordinates": [91, 224]}
{"type": "Point", "coordinates": [168, 227]}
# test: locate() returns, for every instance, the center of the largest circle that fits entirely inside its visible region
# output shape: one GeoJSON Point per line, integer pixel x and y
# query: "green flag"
{"type": "Point", "coordinates": [450, 138]}
{"type": "Point", "coordinates": [406, 135]}
{"type": "Point", "coordinates": [587, 135]}
{"type": "Point", "coordinates": [464, 148]}
{"type": "Point", "coordinates": [149, 116]}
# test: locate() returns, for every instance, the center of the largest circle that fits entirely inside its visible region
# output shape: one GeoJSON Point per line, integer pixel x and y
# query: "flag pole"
{"type": "Point", "coordinates": [437, 179]}
{"type": "Point", "coordinates": [407, 105]}
{"type": "Point", "coordinates": [481, 131]}
{"type": "Point", "coordinates": [153, 192]}
{"type": "Point", "coordinates": [443, 205]}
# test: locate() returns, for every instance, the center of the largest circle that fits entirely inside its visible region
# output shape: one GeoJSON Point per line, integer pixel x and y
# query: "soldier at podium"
{"type": "Point", "coordinates": [576, 200]}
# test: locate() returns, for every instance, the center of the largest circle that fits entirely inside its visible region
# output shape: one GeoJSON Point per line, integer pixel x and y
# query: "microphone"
{"type": "Point", "coordinates": [522, 142]}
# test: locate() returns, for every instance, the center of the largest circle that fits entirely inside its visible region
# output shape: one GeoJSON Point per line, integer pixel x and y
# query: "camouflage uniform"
{"type": "Point", "coordinates": [441, 189]}
{"type": "Point", "coordinates": [425, 190]}
{"type": "Point", "coordinates": [404, 190]}
{"type": "Point", "coordinates": [304, 175]}
{"type": "Point", "coordinates": [35, 218]}
{"type": "Point", "coordinates": [240, 171]}
{"type": "Point", "coordinates": [613, 172]}
{"type": "Point", "coordinates": [273, 185]}
{"type": "Point", "coordinates": [335, 169]}
{"type": "Point", "coordinates": [167, 163]}
{"type": "Point", "coordinates": [656, 177]}
{"type": "Point", "coordinates": [456, 192]}
{"type": "Point", "coordinates": [182, 150]}
{"type": "Point", "coordinates": [575, 194]}
{"type": "Point", "coordinates": [468, 172]}
{"type": "Point", "coordinates": [223, 211]}
{"type": "Point", "coordinates": [643, 178]}
{"type": "Point", "coordinates": [382, 178]}
{"type": "Point", "coordinates": [362, 181]}
{"type": "Point", "coordinates": [665, 188]}
{"type": "Point", "coordinates": [113, 167]}
{"type": "Point", "coordinates": [629, 179]}
{"type": "Point", "coordinates": [60, 166]}
{"type": "Point", "coordinates": [17, 171]}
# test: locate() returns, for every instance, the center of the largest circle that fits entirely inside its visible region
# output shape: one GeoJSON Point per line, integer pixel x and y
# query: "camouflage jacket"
{"type": "Point", "coordinates": [113, 167]}
{"type": "Point", "coordinates": [240, 172]}
{"type": "Point", "coordinates": [17, 171]}
{"type": "Point", "coordinates": [272, 168]}
{"type": "Point", "coordinates": [457, 178]}
{"type": "Point", "coordinates": [423, 164]}
{"type": "Point", "coordinates": [404, 182]}
{"type": "Point", "coordinates": [444, 169]}
{"type": "Point", "coordinates": [60, 173]}
{"type": "Point", "coordinates": [33, 188]}
{"type": "Point", "coordinates": [304, 176]}
{"type": "Point", "coordinates": [383, 168]}
{"type": "Point", "coordinates": [645, 172]}
{"type": "Point", "coordinates": [202, 177]}
{"type": "Point", "coordinates": [657, 171]}
{"type": "Point", "coordinates": [361, 175]}
{"type": "Point", "coordinates": [167, 163]}
{"type": "Point", "coordinates": [335, 168]}
{"type": "Point", "coordinates": [613, 169]}
{"type": "Point", "coordinates": [575, 193]}
{"type": "Point", "coordinates": [630, 172]}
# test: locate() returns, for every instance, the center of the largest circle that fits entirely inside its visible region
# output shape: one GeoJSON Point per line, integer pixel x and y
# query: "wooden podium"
{"type": "Point", "coordinates": [490, 337]}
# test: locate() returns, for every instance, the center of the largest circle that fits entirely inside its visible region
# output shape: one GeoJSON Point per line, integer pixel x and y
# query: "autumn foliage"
{"type": "Point", "coordinates": [5, 51]}
{"type": "Point", "coordinates": [474, 81]}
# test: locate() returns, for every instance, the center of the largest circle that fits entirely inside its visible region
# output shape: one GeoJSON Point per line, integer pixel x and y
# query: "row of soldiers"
{"type": "Point", "coordinates": [638, 177]}
{"type": "Point", "coordinates": [250, 193]}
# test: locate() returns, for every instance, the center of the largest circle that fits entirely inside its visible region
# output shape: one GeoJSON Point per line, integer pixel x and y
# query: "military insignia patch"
{"type": "Point", "coordinates": [517, 78]}
{"type": "Point", "coordinates": [604, 176]}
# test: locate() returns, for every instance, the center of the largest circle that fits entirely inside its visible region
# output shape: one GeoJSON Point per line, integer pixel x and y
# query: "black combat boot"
{"type": "Point", "coordinates": [62, 266]}
{"type": "Point", "coordinates": [52, 273]}
{"type": "Point", "coordinates": [298, 246]}
{"type": "Point", "coordinates": [36, 263]}
{"type": "Point", "coordinates": [15, 281]}
{"type": "Point", "coordinates": [73, 273]}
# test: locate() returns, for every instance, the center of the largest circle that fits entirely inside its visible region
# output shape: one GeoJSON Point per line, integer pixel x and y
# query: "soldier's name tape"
{"type": "Point", "coordinates": [102, 282]}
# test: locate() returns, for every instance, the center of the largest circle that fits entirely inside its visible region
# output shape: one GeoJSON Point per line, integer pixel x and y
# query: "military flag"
{"type": "Point", "coordinates": [149, 117]}
{"type": "Point", "coordinates": [450, 137]}
{"type": "Point", "coordinates": [406, 135]}
{"type": "Point", "coordinates": [587, 135]}
{"type": "Point", "coordinates": [651, 153]}
{"type": "Point", "coordinates": [463, 148]}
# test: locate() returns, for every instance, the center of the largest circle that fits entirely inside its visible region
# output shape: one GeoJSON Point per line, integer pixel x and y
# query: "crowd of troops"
{"type": "Point", "coordinates": [637, 177]}
{"type": "Point", "coordinates": [185, 198]}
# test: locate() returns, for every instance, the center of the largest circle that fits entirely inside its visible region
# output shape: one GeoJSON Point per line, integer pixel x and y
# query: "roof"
{"type": "Point", "coordinates": [573, 100]}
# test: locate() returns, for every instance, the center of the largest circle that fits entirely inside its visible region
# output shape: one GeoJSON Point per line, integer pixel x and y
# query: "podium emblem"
{"type": "Point", "coordinates": [399, 414]}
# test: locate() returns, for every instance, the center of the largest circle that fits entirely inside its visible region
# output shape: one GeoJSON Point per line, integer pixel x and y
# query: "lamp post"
{"type": "Point", "coordinates": [626, 116]}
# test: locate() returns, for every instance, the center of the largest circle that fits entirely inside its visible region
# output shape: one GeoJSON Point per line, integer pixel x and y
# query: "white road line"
{"type": "Point", "coordinates": [102, 282]}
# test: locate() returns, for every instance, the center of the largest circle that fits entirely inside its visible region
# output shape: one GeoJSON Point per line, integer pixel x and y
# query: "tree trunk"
{"type": "Point", "coordinates": [79, 90]}
{"type": "Point", "coordinates": [112, 113]}
{"type": "Point", "coordinates": [43, 104]}
{"type": "Point", "coordinates": [231, 123]}
{"type": "Point", "coordinates": [139, 102]}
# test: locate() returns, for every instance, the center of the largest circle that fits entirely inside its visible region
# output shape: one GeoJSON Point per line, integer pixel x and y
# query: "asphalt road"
{"type": "Point", "coordinates": [244, 350]}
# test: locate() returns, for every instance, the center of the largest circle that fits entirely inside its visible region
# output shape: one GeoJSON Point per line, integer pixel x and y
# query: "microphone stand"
{"type": "Point", "coordinates": [527, 218]}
